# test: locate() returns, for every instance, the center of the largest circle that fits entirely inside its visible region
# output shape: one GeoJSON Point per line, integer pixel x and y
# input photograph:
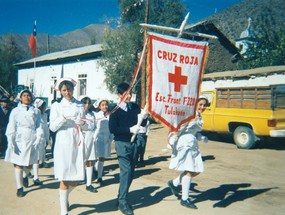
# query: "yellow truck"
{"type": "Point", "coordinates": [247, 112]}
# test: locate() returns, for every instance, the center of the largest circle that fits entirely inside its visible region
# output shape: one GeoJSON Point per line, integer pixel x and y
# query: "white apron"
{"type": "Point", "coordinates": [45, 138]}
{"type": "Point", "coordinates": [69, 145]}
{"type": "Point", "coordinates": [24, 130]}
{"type": "Point", "coordinates": [103, 137]}
{"type": "Point", "coordinates": [187, 155]}
{"type": "Point", "coordinates": [89, 137]}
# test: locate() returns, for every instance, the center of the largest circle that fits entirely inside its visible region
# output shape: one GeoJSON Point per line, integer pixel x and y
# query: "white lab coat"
{"type": "Point", "coordinates": [69, 144]}
{"type": "Point", "coordinates": [103, 136]}
{"type": "Point", "coordinates": [186, 154]}
{"type": "Point", "coordinates": [44, 139]}
{"type": "Point", "coordinates": [23, 131]}
{"type": "Point", "coordinates": [89, 137]}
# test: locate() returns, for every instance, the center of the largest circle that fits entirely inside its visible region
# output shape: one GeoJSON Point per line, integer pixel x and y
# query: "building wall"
{"type": "Point", "coordinates": [41, 79]}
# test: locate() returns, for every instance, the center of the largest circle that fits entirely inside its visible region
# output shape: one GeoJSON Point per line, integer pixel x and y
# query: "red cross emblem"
{"type": "Point", "coordinates": [177, 78]}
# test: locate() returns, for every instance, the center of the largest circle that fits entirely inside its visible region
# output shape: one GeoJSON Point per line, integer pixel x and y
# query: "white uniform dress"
{"type": "Point", "coordinates": [23, 131]}
{"type": "Point", "coordinates": [69, 144]}
{"type": "Point", "coordinates": [45, 137]}
{"type": "Point", "coordinates": [89, 137]}
{"type": "Point", "coordinates": [186, 154]}
{"type": "Point", "coordinates": [103, 136]}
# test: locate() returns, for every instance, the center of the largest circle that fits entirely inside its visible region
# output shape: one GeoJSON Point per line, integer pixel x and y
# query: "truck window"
{"type": "Point", "coordinates": [278, 97]}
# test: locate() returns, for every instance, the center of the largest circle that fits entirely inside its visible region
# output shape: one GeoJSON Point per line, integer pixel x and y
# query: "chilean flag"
{"type": "Point", "coordinates": [33, 42]}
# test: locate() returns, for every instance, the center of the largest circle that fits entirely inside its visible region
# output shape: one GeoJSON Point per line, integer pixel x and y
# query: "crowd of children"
{"type": "Point", "coordinates": [84, 132]}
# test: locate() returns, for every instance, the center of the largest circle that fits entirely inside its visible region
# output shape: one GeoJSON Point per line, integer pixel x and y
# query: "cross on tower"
{"type": "Point", "coordinates": [177, 78]}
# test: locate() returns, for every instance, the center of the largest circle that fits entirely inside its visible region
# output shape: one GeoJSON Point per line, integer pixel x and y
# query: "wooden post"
{"type": "Point", "coordinates": [143, 72]}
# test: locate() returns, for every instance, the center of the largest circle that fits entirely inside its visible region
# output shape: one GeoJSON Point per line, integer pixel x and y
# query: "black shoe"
{"type": "Point", "coordinates": [45, 165]}
{"type": "Point", "coordinates": [173, 189]}
{"type": "Point", "coordinates": [99, 181]}
{"type": "Point", "coordinates": [187, 203]}
{"type": "Point", "coordinates": [130, 206]}
{"type": "Point", "coordinates": [91, 189]}
{"type": "Point", "coordinates": [125, 209]}
{"type": "Point", "coordinates": [38, 182]}
{"type": "Point", "coordinates": [26, 182]}
{"type": "Point", "coordinates": [20, 192]}
{"type": "Point", "coordinates": [41, 165]}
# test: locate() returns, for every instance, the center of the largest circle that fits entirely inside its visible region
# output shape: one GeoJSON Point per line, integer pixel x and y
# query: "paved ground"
{"type": "Point", "coordinates": [234, 182]}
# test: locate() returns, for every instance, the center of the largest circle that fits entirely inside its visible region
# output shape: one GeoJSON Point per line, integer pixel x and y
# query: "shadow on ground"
{"type": "Point", "coordinates": [138, 199]}
{"type": "Point", "coordinates": [227, 194]}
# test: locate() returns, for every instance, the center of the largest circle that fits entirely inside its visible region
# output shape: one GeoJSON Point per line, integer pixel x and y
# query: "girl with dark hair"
{"type": "Point", "coordinates": [102, 137]}
{"type": "Point", "coordinates": [23, 135]}
{"type": "Point", "coordinates": [89, 142]}
{"type": "Point", "coordinates": [66, 119]}
{"type": "Point", "coordinates": [186, 155]}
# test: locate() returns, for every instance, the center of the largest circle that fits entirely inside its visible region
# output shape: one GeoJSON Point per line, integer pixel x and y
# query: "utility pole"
{"type": "Point", "coordinates": [143, 72]}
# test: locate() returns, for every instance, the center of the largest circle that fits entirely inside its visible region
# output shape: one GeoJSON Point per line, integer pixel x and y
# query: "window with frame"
{"type": "Point", "coordinates": [82, 84]}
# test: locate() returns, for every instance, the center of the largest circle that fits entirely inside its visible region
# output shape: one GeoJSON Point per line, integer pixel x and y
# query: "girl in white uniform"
{"type": "Point", "coordinates": [186, 155]}
{"type": "Point", "coordinates": [66, 119]}
{"type": "Point", "coordinates": [23, 134]}
{"type": "Point", "coordinates": [89, 142]}
{"type": "Point", "coordinates": [41, 105]}
{"type": "Point", "coordinates": [103, 137]}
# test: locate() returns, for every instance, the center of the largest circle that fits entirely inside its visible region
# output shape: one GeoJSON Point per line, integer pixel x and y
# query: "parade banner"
{"type": "Point", "coordinates": [175, 68]}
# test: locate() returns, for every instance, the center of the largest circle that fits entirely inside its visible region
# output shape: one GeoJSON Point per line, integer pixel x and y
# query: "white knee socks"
{"type": "Point", "coordinates": [19, 178]}
{"type": "Point", "coordinates": [36, 171]}
{"type": "Point", "coordinates": [89, 172]}
{"type": "Point", "coordinates": [26, 172]}
{"type": "Point", "coordinates": [186, 182]}
{"type": "Point", "coordinates": [63, 199]}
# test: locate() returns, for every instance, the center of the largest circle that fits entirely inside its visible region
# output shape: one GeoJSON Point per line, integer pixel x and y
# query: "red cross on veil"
{"type": "Point", "coordinates": [177, 78]}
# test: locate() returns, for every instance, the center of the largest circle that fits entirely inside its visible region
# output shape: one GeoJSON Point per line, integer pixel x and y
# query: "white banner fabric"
{"type": "Point", "coordinates": [174, 76]}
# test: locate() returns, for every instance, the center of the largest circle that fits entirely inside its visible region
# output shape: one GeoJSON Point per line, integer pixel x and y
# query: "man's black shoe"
{"type": "Point", "coordinates": [173, 189]}
{"type": "Point", "coordinates": [91, 189]}
{"type": "Point", "coordinates": [20, 192]}
{"type": "Point", "coordinates": [126, 209]}
{"type": "Point", "coordinates": [26, 182]}
{"type": "Point", "coordinates": [38, 182]}
{"type": "Point", "coordinates": [187, 203]}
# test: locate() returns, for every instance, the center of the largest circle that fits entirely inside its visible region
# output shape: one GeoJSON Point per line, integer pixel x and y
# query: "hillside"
{"type": "Point", "coordinates": [88, 35]}
{"type": "Point", "coordinates": [231, 21]}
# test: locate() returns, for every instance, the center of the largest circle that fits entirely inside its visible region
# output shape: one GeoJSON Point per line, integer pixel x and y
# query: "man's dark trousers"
{"type": "Point", "coordinates": [127, 157]}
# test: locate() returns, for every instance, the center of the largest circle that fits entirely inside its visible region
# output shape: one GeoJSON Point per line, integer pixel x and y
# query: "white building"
{"type": "Point", "coordinates": [258, 77]}
{"type": "Point", "coordinates": [81, 64]}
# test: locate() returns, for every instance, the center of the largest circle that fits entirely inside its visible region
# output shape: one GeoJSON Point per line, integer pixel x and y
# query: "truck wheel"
{"type": "Point", "coordinates": [244, 137]}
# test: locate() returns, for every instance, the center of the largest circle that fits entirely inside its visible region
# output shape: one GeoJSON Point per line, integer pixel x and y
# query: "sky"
{"type": "Point", "coordinates": [56, 17]}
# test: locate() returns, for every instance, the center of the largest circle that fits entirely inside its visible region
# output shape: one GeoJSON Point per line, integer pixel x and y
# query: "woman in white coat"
{"type": "Point", "coordinates": [66, 119]}
{"type": "Point", "coordinates": [89, 142]}
{"type": "Point", "coordinates": [23, 135]}
{"type": "Point", "coordinates": [103, 137]}
{"type": "Point", "coordinates": [186, 155]}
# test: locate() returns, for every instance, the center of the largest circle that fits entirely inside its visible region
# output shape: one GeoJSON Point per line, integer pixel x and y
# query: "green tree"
{"type": "Point", "coordinates": [9, 55]}
{"type": "Point", "coordinates": [124, 44]}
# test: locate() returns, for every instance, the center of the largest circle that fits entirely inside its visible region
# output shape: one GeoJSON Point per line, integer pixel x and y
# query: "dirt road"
{"type": "Point", "coordinates": [234, 182]}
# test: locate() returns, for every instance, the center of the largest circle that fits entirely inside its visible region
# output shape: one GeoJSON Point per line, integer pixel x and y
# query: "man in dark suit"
{"type": "Point", "coordinates": [4, 119]}
{"type": "Point", "coordinates": [123, 124]}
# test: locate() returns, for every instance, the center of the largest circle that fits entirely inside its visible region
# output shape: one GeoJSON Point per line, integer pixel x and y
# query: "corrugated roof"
{"type": "Point", "coordinates": [245, 73]}
{"type": "Point", "coordinates": [65, 54]}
